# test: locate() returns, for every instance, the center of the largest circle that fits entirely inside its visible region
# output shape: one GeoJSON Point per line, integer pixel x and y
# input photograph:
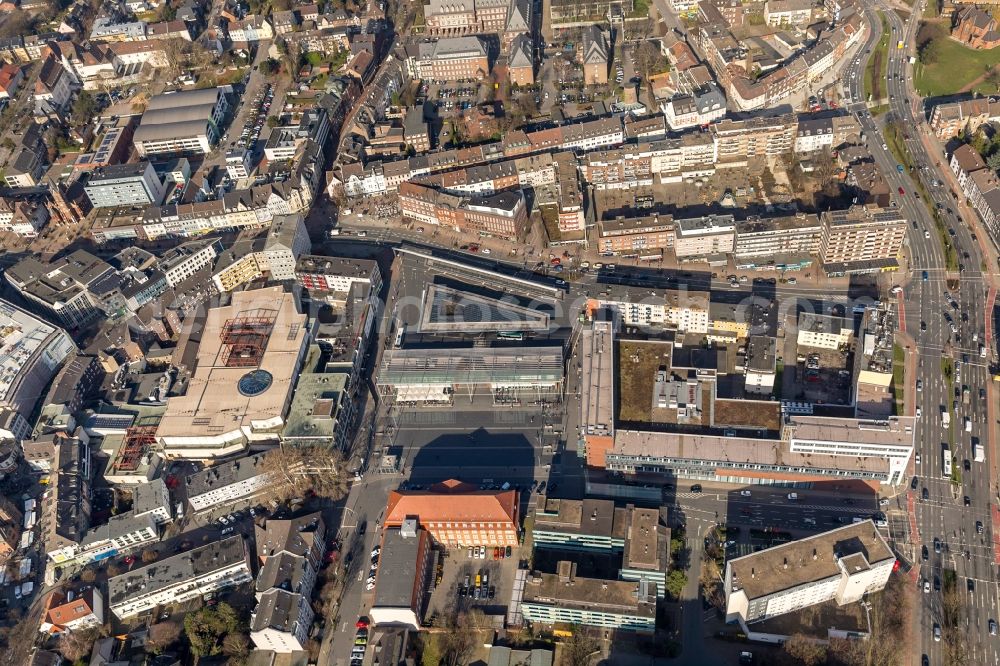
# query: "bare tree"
{"type": "Point", "coordinates": [579, 648]}
{"type": "Point", "coordinates": [162, 635]}
{"type": "Point", "coordinates": [648, 60]}
{"type": "Point", "coordinates": [296, 471]}
{"type": "Point", "coordinates": [805, 650]}
{"type": "Point", "coordinates": [75, 645]}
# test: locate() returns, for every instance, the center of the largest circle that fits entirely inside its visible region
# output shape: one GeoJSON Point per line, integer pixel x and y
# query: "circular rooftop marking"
{"type": "Point", "coordinates": [255, 382]}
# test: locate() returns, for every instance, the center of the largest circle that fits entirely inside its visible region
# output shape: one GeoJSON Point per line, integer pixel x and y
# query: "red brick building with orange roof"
{"type": "Point", "coordinates": [458, 514]}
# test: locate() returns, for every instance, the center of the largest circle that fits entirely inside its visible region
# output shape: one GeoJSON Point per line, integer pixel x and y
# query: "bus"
{"type": "Point", "coordinates": [510, 335]}
{"type": "Point", "coordinates": [399, 335]}
{"type": "Point", "coordinates": [946, 462]}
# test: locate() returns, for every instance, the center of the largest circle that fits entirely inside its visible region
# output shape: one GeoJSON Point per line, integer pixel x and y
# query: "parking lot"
{"type": "Point", "coordinates": [821, 376]}
{"type": "Point", "coordinates": [254, 116]}
{"type": "Point", "coordinates": [450, 100]}
{"type": "Point", "coordinates": [459, 575]}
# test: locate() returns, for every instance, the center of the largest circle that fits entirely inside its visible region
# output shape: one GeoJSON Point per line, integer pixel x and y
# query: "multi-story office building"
{"type": "Point", "coordinates": [885, 439]}
{"type": "Point", "coordinates": [135, 184]}
{"type": "Point", "coordinates": [284, 142]}
{"type": "Point", "coordinates": [180, 578]}
{"type": "Point", "coordinates": [458, 514]}
{"type": "Point", "coordinates": [704, 236]}
{"type": "Point", "coordinates": [589, 524]}
{"type": "Point", "coordinates": [610, 604]}
{"type": "Point", "coordinates": [62, 287]}
{"type": "Point", "coordinates": [842, 565]}
{"type": "Point", "coordinates": [596, 525]}
{"type": "Point", "coordinates": [503, 214]}
{"type": "Point", "coordinates": [453, 59]}
{"type": "Point", "coordinates": [645, 237]}
{"type": "Point", "coordinates": [774, 236]}
{"type": "Point", "coordinates": [180, 123]}
{"type": "Point", "coordinates": [402, 577]}
{"type": "Point", "coordinates": [33, 353]}
{"type": "Point", "coordinates": [287, 240]}
{"type": "Point", "coordinates": [861, 239]}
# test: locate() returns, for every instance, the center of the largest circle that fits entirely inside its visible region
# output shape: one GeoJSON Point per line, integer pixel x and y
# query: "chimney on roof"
{"type": "Point", "coordinates": [814, 553]}
{"type": "Point", "coordinates": [785, 563]}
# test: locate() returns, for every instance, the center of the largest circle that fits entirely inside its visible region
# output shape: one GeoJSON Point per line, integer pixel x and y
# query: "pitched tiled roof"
{"type": "Point", "coordinates": [452, 501]}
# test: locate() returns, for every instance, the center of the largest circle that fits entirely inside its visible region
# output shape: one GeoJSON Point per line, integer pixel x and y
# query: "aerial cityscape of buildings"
{"type": "Point", "coordinates": [363, 333]}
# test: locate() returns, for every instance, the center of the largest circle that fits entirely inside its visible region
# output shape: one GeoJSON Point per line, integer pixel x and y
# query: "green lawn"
{"type": "Point", "coordinates": [957, 67]}
{"type": "Point", "coordinates": [878, 65]}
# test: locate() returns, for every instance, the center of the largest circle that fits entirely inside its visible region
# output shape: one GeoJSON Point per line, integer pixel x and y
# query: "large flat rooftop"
{"type": "Point", "coordinates": [589, 516]}
{"type": "Point", "coordinates": [591, 594]}
{"type": "Point", "coordinates": [750, 453]}
{"type": "Point", "coordinates": [187, 566]}
{"type": "Point", "coordinates": [24, 341]}
{"type": "Point", "coordinates": [227, 392]}
{"type": "Point", "coordinates": [808, 560]}
{"type": "Point", "coordinates": [598, 375]}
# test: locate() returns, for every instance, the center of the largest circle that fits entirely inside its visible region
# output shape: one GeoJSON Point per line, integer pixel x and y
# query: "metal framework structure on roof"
{"type": "Point", "coordinates": [138, 442]}
{"type": "Point", "coordinates": [244, 339]}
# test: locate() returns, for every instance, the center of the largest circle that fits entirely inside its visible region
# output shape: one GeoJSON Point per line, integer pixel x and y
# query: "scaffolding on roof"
{"type": "Point", "coordinates": [245, 337]}
{"type": "Point", "coordinates": [137, 444]}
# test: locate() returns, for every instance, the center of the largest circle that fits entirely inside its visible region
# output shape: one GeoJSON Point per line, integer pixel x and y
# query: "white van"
{"type": "Point", "coordinates": [792, 496]}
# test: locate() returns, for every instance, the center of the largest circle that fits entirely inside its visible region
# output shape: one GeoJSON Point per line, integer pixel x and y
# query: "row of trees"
{"type": "Point", "coordinates": [889, 613]}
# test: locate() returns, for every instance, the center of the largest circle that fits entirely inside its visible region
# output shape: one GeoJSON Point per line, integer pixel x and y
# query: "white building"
{"type": "Point", "coordinates": [31, 353]}
{"type": "Point", "coordinates": [704, 236]}
{"type": "Point", "coordinates": [287, 240]}
{"type": "Point", "coordinates": [180, 578]}
{"type": "Point", "coordinates": [787, 12]}
{"type": "Point", "coordinates": [843, 564]}
{"type": "Point", "coordinates": [133, 184]}
{"type": "Point", "coordinates": [823, 331]}
{"type": "Point", "coordinates": [890, 439]}
{"type": "Point", "coordinates": [152, 499]}
{"type": "Point", "coordinates": [813, 134]}
{"type": "Point", "coordinates": [69, 611]}
{"type": "Point", "coordinates": [183, 261]}
{"type": "Point", "coordinates": [225, 483]}
{"type": "Point", "coordinates": [687, 312]}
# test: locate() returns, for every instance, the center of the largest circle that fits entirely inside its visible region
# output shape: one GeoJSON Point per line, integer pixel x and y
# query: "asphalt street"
{"type": "Point", "coordinates": [933, 300]}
